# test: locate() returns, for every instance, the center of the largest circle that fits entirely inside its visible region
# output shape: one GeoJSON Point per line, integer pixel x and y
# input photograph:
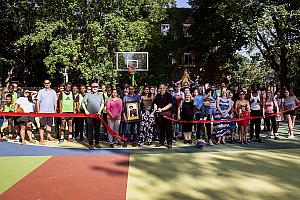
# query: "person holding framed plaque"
{"type": "Point", "coordinates": [131, 115]}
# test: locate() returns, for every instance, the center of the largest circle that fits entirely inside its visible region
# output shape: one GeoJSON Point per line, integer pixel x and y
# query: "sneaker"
{"type": "Point", "coordinates": [169, 146]}
{"type": "Point", "coordinates": [17, 139]}
{"type": "Point", "coordinates": [210, 143]}
{"type": "Point", "coordinates": [91, 147]}
{"type": "Point", "coordinates": [111, 146]}
{"type": "Point", "coordinates": [291, 137]}
{"type": "Point", "coordinates": [276, 138]}
{"type": "Point", "coordinates": [98, 146]}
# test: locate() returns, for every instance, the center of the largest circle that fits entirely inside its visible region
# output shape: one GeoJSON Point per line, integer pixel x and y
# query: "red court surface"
{"type": "Point", "coordinates": [74, 177]}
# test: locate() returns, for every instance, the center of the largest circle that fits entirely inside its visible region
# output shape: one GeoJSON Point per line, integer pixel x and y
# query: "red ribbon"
{"type": "Point", "coordinates": [72, 115]}
{"type": "Point", "coordinates": [229, 120]}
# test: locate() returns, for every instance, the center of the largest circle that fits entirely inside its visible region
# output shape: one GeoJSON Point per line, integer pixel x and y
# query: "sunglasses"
{"type": "Point", "coordinates": [47, 83]}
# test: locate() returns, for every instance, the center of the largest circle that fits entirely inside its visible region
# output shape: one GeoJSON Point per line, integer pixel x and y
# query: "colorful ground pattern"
{"type": "Point", "coordinates": [256, 171]}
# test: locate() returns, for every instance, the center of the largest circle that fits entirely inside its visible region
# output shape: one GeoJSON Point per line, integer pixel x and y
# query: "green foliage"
{"type": "Point", "coordinates": [83, 36]}
{"type": "Point", "coordinates": [246, 71]}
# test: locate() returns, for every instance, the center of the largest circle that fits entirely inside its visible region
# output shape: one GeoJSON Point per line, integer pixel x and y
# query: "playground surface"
{"type": "Point", "coordinates": [232, 171]}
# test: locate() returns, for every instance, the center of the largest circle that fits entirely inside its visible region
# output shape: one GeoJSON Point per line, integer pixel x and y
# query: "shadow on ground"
{"type": "Point", "coordinates": [257, 174]}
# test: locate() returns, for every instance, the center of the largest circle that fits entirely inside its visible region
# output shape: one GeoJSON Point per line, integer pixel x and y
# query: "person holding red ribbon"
{"type": "Point", "coordinates": [93, 103]}
{"type": "Point", "coordinates": [163, 107]}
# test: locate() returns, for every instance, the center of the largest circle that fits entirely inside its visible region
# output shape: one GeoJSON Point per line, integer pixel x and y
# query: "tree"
{"type": "Point", "coordinates": [83, 35]}
{"type": "Point", "coordinates": [270, 27]}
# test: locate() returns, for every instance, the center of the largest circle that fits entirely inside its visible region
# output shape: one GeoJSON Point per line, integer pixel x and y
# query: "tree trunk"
{"type": "Point", "coordinates": [285, 81]}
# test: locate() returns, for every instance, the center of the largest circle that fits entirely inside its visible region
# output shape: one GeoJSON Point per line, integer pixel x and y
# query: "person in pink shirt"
{"type": "Point", "coordinates": [114, 110]}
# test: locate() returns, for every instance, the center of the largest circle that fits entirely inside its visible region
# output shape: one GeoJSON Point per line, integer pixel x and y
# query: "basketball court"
{"type": "Point", "coordinates": [233, 171]}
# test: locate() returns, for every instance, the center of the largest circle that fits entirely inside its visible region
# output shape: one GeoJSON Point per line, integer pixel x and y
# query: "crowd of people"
{"type": "Point", "coordinates": [142, 115]}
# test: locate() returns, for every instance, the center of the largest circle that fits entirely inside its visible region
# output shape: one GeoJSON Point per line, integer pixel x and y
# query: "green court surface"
{"type": "Point", "coordinates": [254, 174]}
{"type": "Point", "coordinates": [13, 169]}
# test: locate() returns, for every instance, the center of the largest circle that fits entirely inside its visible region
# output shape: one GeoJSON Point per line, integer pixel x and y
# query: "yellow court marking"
{"type": "Point", "coordinates": [247, 175]}
{"type": "Point", "coordinates": [13, 169]}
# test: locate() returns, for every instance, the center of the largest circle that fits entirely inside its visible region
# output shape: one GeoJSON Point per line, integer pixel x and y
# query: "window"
{"type": "Point", "coordinates": [185, 30]}
{"type": "Point", "coordinates": [165, 29]}
{"type": "Point", "coordinates": [187, 59]}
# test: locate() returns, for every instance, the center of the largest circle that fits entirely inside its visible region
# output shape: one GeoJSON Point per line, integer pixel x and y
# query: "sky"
{"type": "Point", "coordinates": [182, 4]}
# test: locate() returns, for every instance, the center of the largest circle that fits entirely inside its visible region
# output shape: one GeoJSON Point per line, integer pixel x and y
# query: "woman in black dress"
{"type": "Point", "coordinates": [147, 123]}
{"type": "Point", "coordinates": [186, 113]}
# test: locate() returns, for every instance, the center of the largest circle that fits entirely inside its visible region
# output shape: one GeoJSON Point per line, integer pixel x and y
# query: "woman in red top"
{"type": "Point", "coordinates": [242, 108]}
{"type": "Point", "coordinates": [114, 110]}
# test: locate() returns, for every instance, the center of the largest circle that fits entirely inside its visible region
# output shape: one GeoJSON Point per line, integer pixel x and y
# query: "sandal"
{"type": "Point", "coordinates": [50, 138]}
{"type": "Point", "coordinates": [32, 141]}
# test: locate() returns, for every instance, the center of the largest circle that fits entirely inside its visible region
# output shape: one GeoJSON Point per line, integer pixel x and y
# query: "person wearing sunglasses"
{"type": "Point", "coordinates": [46, 103]}
{"type": "Point", "coordinates": [242, 108]}
{"type": "Point", "coordinates": [93, 103]}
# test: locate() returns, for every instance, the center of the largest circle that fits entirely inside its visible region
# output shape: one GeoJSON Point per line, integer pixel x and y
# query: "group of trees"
{"type": "Point", "coordinates": [82, 36]}
{"type": "Point", "coordinates": [268, 29]}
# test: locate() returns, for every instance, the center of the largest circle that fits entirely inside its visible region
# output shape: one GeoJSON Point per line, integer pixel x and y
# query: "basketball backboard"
{"type": "Point", "coordinates": [137, 60]}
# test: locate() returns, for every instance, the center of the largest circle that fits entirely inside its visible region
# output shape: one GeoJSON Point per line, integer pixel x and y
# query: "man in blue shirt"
{"type": "Point", "coordinates": [198, 102]}
{"type": "Point", "coordinates": [131, 128]}
{"type": "Point", "coordinates": [46, 103]}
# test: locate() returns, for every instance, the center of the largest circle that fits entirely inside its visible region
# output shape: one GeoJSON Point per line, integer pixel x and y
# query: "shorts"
{"type": "Point", "coordinates": [291, 112]}
{"type": "Point", "coordinates": [25, 119]}
{"type": "Point", "coordinates": [46, 121]}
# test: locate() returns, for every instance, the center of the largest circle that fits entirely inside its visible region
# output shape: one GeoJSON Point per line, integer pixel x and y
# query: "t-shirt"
{"type": "Point", "coordinates": [26, 105]}
{"type": "Point", "coordinates": [47, 100]}
{"type": "Point", "coordinates": [163, 100]}
{"type": "Point", "coordinates": [198, 101]}
{"type": "Point", "coordinates": [129, 98]}
{"type": "Point", "coordinates": [93, 102]}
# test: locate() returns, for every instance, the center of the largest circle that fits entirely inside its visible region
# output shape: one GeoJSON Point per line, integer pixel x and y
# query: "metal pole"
{"type": "Point", "coordinates": [132, 78]}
